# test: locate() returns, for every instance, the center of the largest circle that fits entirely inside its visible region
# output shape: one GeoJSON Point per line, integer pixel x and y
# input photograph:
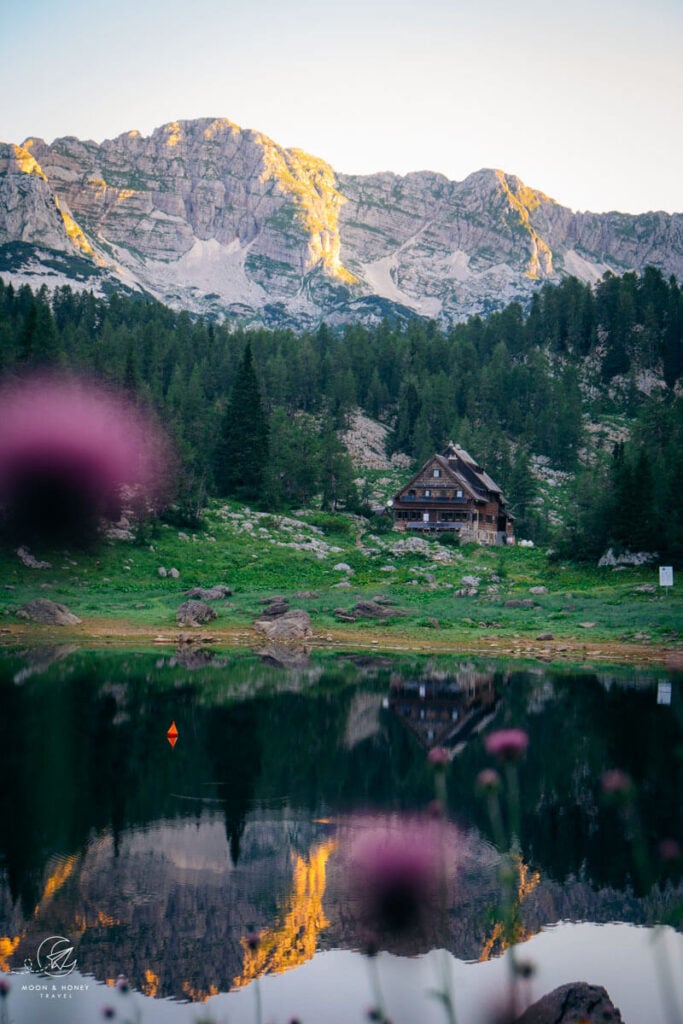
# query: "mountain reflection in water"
{"type": "Point", "coordinates": [157, 862]}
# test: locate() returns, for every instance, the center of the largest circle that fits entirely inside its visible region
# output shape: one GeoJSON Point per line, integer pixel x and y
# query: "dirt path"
{"type": "Point", "coordinates": [95, 633]}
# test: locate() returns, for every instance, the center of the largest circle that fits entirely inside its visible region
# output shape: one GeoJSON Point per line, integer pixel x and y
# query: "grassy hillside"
{"type": "Point", "coordinates": [446, 596]}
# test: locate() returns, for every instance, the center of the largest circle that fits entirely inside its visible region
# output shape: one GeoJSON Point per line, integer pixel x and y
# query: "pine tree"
{"type": "Point", "coordinates": [241, 454]}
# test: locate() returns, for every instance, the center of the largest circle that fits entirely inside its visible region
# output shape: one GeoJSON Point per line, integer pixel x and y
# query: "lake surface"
{"type": "Point", "coordinates": [154, 860]}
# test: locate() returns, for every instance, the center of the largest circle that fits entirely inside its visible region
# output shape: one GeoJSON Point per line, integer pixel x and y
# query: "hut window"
{"type": "Point", "coordinates": [458, 493]}
{"type": "Point", "coordinates": [437, 472]}
{"type": "Point", "coordinates": [428, 493]}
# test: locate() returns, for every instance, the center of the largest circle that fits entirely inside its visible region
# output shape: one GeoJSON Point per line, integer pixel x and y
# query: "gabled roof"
{"type": "Point", "coordinates": [454, 454]}
{"type": "Point", "coordinates": [460, 468]}
{"type": "Point", "coordinates": [450, 473]}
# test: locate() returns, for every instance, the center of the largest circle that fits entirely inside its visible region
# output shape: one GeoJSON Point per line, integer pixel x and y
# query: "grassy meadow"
{"type": "Point", "coordinates": [444, 596]}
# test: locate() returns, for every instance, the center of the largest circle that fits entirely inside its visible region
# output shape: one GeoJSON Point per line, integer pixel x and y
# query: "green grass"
{"type": "Point", "coordinates": [256, 555]}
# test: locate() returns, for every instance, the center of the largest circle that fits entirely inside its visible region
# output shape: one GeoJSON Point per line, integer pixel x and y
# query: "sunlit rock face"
{"type": "Point", "coordinates": [216, 219]}
{"type": "Point", "coordinates": [67, 451]}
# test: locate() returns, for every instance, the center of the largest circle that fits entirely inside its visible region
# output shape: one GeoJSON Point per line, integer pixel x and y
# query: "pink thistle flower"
{"type": "Point", "coordinates": [438, 756]}
{"type": "Point", "coordinates": [488, 781]}
{"type": "Point", "coordinates": [507, 744]}
{"type": "Point", "coordinates": [67, 448]}
{"type": "Point", "coordinates": [670, 849]}
{"type": "Point", "coordinates": [616, 783]}
{"type": "Point", "coordinates": [396, 874]}
{"type": "Point", "coordinates": [435, 809]}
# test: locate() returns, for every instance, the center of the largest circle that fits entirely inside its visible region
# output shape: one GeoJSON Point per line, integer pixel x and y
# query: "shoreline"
{"type": "Point", "coordinates": [107, 633]}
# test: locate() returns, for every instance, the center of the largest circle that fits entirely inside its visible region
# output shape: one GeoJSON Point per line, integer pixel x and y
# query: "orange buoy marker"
{"type": "Point", "coordinates": [172, 734]}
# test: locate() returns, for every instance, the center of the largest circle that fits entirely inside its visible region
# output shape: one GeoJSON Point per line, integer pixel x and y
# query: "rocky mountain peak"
{"type": "Point", "coordinates": [211, 217]}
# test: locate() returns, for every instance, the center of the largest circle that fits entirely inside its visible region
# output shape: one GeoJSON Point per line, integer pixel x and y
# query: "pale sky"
{"type": "Point", "coordinates": [583, 101]}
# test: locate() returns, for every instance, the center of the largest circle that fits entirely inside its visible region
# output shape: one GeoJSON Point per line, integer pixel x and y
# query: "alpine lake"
{"type": "Point", "coordinates": [126, 849]}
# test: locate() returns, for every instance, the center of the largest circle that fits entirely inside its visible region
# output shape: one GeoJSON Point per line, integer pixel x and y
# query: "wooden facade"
{"type": "Point", "coordinates": [451, 492]}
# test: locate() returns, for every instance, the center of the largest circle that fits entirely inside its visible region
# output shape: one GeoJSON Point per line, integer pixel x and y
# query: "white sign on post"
{"type": "Point", "coordinates": [666, 576]}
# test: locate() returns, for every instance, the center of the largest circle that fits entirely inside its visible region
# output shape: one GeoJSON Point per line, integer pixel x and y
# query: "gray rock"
{"type": "Point", "coordinates": [47, 613]}
{"type": "Point", "coordinates": [194, 613]}
{"type": "Point", "coordinates": [524, 602]}
{"type": "Point", "coordinates": [545, 636]}
{"type": "Point", "coordinates": [576, 1003]}
{"type": "Point", "coordinates": [174, 574]}
{"type": "Point", "coordinates": [294, 624]}
{"type": "Point", "coordinates": [30, 561]}
{"type": "Point", "coordinates": [162, 572]}
{"type": "Point", "coordinates": [217, 593]}
{"type": "Point", "coordinates": [609, 559]}
{"type": "Point", "coordinates": [344, 616]}
{"type": "Point", "coordinates": [373, 610]}
{"type": "Point", "coordinates": [538, 590]}
{"type": "Point", "coordinates": [342, 567]}
{"type": "Point", "coordinates": [275, 609]}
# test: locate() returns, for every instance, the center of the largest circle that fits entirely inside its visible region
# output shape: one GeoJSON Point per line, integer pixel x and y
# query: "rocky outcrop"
{"type": "Point", "coordinates": [47, 613]}
{"type": "Point", "coordinates": [577, 1003]}
{"type": "Point", "coordinates": [194, 613]}
{"type": "Point", "coordinates": [294, 624]}
{"type": "Point", "coordinates": [212, 218]}
{"type": "Point", "coordinates": [216, 593]}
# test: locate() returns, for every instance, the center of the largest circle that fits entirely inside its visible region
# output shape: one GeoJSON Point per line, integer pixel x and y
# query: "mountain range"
{"type": "Point", "coordinates": [208, 217]}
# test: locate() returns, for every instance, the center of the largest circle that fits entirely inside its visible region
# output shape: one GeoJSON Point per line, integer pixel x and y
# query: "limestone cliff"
{"type": "Point", "coordinates": [212, 218]}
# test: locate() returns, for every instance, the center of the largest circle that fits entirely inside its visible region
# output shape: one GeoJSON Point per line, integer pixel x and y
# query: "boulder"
{"type": "Point", "coordinates": [344, 616]}
{"type": "Point", "coordinates": [576, 1003]}
{"type": "Point", "coordinates": [294, 624]}
{"type": "Point", "coordinates": [373, 610]}
{"type": "Point", "coordinates": [47, 613]}
{"type": "Point", "coordinates": [538, 590]}
{"type": "Point", "coordinates": [275, 609]}
{"type": "Point", "coordinates": [194, 613]}
{"type": "Point", "coordinates": [524, 602]}
{"type": "Point", "coordinates": [216, 593]}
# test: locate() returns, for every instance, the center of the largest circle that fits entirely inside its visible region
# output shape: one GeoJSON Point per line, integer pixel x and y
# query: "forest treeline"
{"type": "Point", "coordinates": [255, 413]}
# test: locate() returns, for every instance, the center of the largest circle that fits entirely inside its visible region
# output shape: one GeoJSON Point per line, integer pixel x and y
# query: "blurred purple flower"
{"type": "Point", "coordinates": [4, 987]}
{"type": "Point", "coordinates": [435, 809]}
{"type": "Point", "coordinates": [108, 1012]}
{"type": "Point", "coordinates": [616, 783]}
{"type": "Point", "coordinates": [488, 781]}
{"type": "Point", "coordinates": [670, 849]}
{"type": "Point", "coordinates": [67, 448]}
{"type": "Point", "coordinates": [395, 871]}
{"type": "Point", "coordinates": [507, 744]}
{"type": "Point", "coordinates": [438, 756]}
{"type": "Point", "coordinates": [122, 984]}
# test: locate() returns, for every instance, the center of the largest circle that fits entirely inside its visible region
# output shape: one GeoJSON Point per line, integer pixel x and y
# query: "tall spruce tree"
{"type": "Point", "coordinates": [241, 454]}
